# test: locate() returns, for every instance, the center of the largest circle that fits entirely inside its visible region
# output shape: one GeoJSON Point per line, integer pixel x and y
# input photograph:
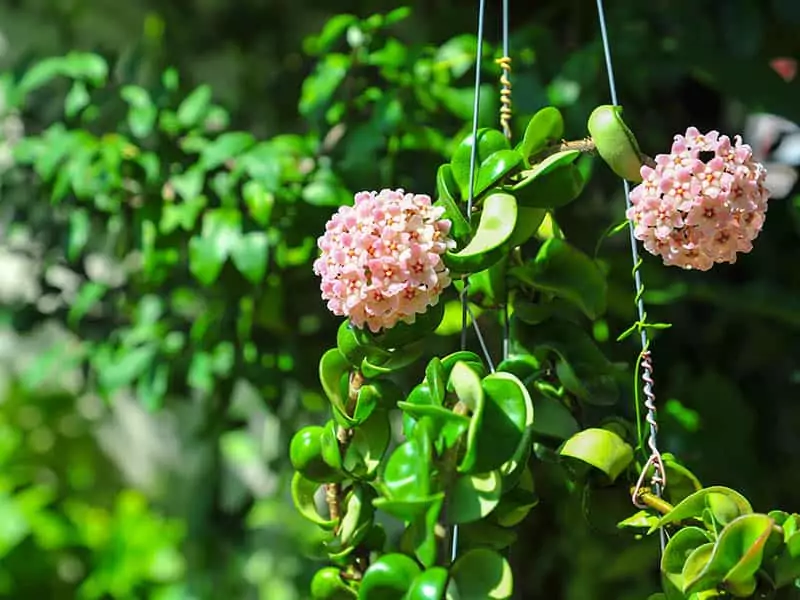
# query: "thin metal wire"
{"type": "Point", "coordinates": [658, 479]}
{"type": "Point", "coordinates": [473, 159]}
{"type": "Point", "coordinates": [484, 348]}
{"type": "Point", "coordinates": [505, 123]}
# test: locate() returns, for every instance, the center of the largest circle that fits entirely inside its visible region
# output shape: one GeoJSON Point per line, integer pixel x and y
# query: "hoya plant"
{"type": "Point", "coordinates": [458, 472]}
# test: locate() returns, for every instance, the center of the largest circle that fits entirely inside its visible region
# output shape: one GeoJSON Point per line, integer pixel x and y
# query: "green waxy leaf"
{"type": "Point", "coordinates": [545, 127]}
{"type": "Point", "coordinates": [406, 476]}
{"type": "Point", "coordinates": [377, 366]}
{"type": "Point", "coordinates": [528, 222]}
{"type": "Point", "coordinates": [497, 222]}
{"type": "Point", "coordinates": [447, 190]}
{"type": "Point", "coordinates": [490, 141]}
{"type": "Point", "coordinates": [404, 334]}
{"type": "Point", "coordinates": [554, 190]}
{"type": "Point", "coordinates": [307, 456]}
{"type": "Point", "coordinates": [693, 506]}
{"type": "Point", "coordinates": [682, 482]}
{"type": "Point", "coordinates": [581, 366]}
{"type": "Point", "coordinates": [484, 534]}
{"type": "Point", "coordinates": [303, 492]}
{"type": "Point", "coordinates": [259, 201]}
{"type": "Point", "coordinates": [327, 584]}
{"type": "Point", "coordinates": [553, 419]}
{"type": "Point", "coordinates": [367, 446]}
{"type": "Point", "coordinates": [507, 413]}
{"type": "Point", "coordinates": [467, 386]}
{"type": "Point", "coordinates": [561, 269]}
{"type": "Point", "coordinates": [678, 549]}
{"type": "Point", "coordinates": [357, 519]}
{"type": "Point", "coordinates": [494, 168]}
{"type": "Point", "coordinates": [787, 565]}
{"type": "Point", "coordinates": [429, 585]}
{"type": "Point", "coordinates": [517, 501]}
{"type": "Point", "coordinates": [481, 574]}
{"type": "Point", "coordinates": [332, 368]}
{"type": "Point", "coordinates": [615, 143]}
{"type": "Point", "coordinates": [422, 533]}
{"type": "Point", "coordinates": [545, 167]}
{"type": "Point", "coordinates": [473, 497]}
{"type": "Point", "coordinates": [435, 378]}
{"type": "Point", "coordinates": [733, 560]}
{"type": "Point", "coordinates": [388, 578]}
{"type": "Point", "coordinates": [601, 448]}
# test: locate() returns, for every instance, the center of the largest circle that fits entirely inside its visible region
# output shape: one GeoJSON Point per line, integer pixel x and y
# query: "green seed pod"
{"type": "Point", "coordinates": [615, 143]}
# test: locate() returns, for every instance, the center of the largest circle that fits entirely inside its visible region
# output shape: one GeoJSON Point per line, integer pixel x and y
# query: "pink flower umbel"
{"type": "Point", "coordinates": [703, 203]}
{"type": "Point", "coordinates": [381, 259]}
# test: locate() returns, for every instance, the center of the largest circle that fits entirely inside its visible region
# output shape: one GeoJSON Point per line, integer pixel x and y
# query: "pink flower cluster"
{"type": "Point", "coordinates": [381, 258]}
{"type": "Point", "coordinates": [695, 211]}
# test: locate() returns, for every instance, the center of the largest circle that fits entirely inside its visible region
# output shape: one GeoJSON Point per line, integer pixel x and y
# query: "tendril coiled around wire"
{"type": "Point", "coordinates": [658, 479]}
{"type": "Point", "coordinates": [641, 324]}
{"type": "Point", "coordinates": [505, 95]}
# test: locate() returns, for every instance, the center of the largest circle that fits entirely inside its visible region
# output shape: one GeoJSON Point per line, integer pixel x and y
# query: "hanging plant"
{"type": "Point", "coordinates": [461, 476]}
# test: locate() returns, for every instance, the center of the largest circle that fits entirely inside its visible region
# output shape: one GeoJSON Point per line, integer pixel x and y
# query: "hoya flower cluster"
{"type": "Point", "coordinates": [381, 259]}
{"type": "Point", "coordinates": [702, 203]}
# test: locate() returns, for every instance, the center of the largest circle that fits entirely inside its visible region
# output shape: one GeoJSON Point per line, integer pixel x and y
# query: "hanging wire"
{"type": "Point", "coordinates": [473, 158]}
{"type": "Point", "coordinates": [658, 478]}
{"type": "Point", "coordinates": [505, 123]}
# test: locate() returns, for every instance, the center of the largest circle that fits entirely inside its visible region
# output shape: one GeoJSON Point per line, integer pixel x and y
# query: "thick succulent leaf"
{"type": "Point", "coordinates": [480, 574]}
{"type": "Point", "coordinates": [303, 492]}
{"type": "Point", "coordinates": [507, 414]}
{"type": "Point", "coordinates": [733, 560]}
{"type": "Point", "coordinates": [472, 497]}
{"type": "Point", "coordinates": [678, 549]}
{"type": "Point", "coordinates": [389, 577]}
{"type": "Point", "coordinates": [601, 448]}
{"type": "Point", "coordinates": [561, 269]}
{"type": "Point", "coordinates": [447, 192]}
{"type": "Point", "coordinates": [545, 127]}
{"type": "Point", "coordinates": [693, 506]}
{"type": "Point", "coordinates": [429, 585]}
{"type": "Point", "coordinates": [367, 446]}
{"type": "Point", "coordinates": [554, 190]}
{"type": "Point", "coordinates": [497, 221]}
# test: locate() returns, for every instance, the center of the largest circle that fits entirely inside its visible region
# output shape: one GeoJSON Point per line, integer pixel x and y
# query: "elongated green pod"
{"type": "Point", "coordinates": [615, 143]}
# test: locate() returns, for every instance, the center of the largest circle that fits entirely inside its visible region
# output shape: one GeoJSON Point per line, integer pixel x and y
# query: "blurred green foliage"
{"type": "Point", "coordinates": [178, 162]}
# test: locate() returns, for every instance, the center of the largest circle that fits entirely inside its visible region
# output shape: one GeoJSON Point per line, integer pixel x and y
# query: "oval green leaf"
{"type": "Point", "coordinates": [481, 574]}
{"type": "Point", "coordinates": [303, 492]}
{"type": "Point", "coordinates": [601, 448]}
{"type": "Point", "coordinates": [497, 221]}
{"type": "Point", "coordinates": [693, 506]}
{"type": "Point", "coordinates": [490, 141]}
{"type": "Point", "coordinates": [367, 446]}
{"type": "Point", "coordinates": [561, 269]}
{"type": "Point", "coordinates": [429, 585]}
{"type": "Point", "coordinates": [507, 413]}
{"type": "Point", "coordinates": [388, 578]}
{"type": "Point", "coordinates": [472, 497]}
{"type": "Point", "coordinates": [554, 190]}
{"type": "Point", "coordinates": [546, 126]}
